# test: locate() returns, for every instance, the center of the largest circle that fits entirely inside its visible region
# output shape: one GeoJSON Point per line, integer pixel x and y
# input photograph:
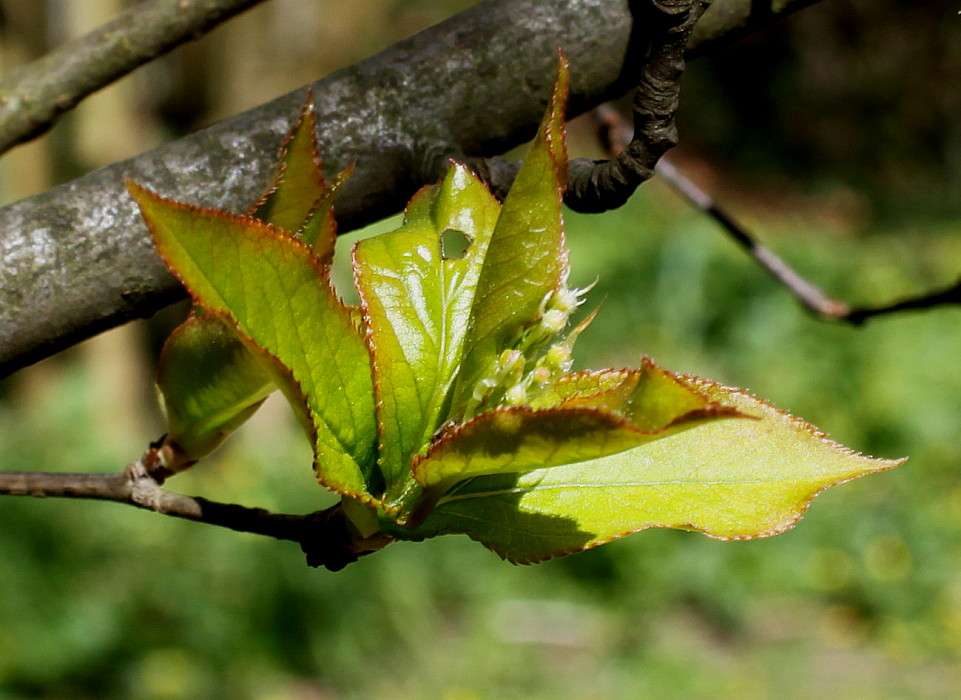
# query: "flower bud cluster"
{"type": "Point", "coordinates": [506, 371]}
{"type": "Point", "coordinates": [525, 369]}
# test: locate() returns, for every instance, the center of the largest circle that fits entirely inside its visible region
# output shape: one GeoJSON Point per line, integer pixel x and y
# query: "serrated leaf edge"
{"type": "Point", "coordinates": [279, 234]}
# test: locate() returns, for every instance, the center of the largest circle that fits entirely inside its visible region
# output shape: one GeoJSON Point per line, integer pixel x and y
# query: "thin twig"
{"type": "Point", "coordinates": [614, 133]}
{"type": "Point", "coordinates": [326, 537]}
{"type": "Point", "coordinates": [810, 295]}
{"type": "Point", "coordinates": [33, 97]}
{"type": "Point", "coordinates": [948, 296]}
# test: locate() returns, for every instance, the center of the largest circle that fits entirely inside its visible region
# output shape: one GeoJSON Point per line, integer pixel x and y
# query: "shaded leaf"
{"type": "Point", "coordinates": [210, 383]}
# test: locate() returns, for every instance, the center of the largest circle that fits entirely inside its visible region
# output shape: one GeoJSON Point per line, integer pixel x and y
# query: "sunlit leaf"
{"type": "Point", "coordinates": [650, 398]}
{"type": "Point", "coordinates": [319, 230]}
{"type": "Point", "coordinates": [298, 182]}
{"type": "Point", "coordinates": [416, 303]}
{"type": "Point", "coordinates": [527, 258]}
{"type": "Point", "coordinates": [443, 402]}
{"type": "Point", "coordinates": [594, 414]}
{"type": "Point", "coordinates": [730, 479]}
{"type": "Point", "coordinates": [276, 294]}
{"type": "Point", "coordinates": [209, 381]}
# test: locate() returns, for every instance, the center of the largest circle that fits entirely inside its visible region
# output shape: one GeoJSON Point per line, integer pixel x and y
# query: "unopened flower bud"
{"type": "Point", "coordinates": [510, 360]}
{"type": "Point", "coordinates": [565, 300]}
{"type": "Point", "coordinates": [516, 395]}
{"type": "Point", "coordinates": [559, 357]}
{"type": "Point", "coordinates": [541, 375]}
{"type": "Point", "coordinates": [483, 388]}
{"type": "Point", "coordinates": [554, 320]}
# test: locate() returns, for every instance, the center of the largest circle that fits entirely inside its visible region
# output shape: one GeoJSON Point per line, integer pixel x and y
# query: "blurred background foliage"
{"type": "Point", "coordinates": [835, 135]}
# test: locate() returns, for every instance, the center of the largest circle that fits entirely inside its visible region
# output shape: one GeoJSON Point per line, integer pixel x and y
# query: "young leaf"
{"type": "Point", "coordinates": [731, 480]}
{"type": "Point", "coordinates": [319, 230]}
{"type": "Point", "coordinates": [650, 398]}
{"type": "Point", "coordinates": [298, 181]}
{"type": "Point", "coordinates": [208, 380]}
{"type": "Point", "coordinates": [593, 415]}
{"type": "Point", "coordinates": [276, 294]}
{"type": "Point", "coordinates": [527, 258]}
{"type": "Point", "coordinates": [210, 383]}
{"type": "Point", "coordinates": [416, 304]}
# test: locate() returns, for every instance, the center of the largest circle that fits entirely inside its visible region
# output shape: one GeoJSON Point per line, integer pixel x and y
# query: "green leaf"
{"type": "Point", "coordinates": [298, 182]}
{"type": "Point", "coordinates": [731, 480]}
{"type": "Point", "coordinates": [591, 415]}
{"type": "Point", "coordinates": [276, 294]}
{"type": "Point", "coordinates": [649, 398]}
{"type": "Point", "coordinates": [527, 257]}
{"type": "Point", "coordinates": [210, 383]}
{"type": "Point", "coordinates": [416, 304]}
{"type": "Point", "coordinates": [319, 231]}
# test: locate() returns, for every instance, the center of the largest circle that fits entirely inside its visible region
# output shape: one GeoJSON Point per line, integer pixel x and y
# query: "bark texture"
{"type": "Point", "coordinates": [77, 260]}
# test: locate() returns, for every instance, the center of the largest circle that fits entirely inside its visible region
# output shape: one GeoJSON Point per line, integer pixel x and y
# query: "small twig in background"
{"type": "Point", "coordinates": [950, 295]}
{"type": "Point", "coordinates": [810, 295]}
{"type": "Point", "coordinates": [34, 96]}
{"type": "Point", "coordinates": [614, 134]}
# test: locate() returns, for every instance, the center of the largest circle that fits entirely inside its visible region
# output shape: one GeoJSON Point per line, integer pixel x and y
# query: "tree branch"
{"type": "Point", "coordinates": [77, 259]}
{"type": "Point", "coordinates": [33, 97]}
{"type": "Point", "coordinates": [326, 537]}
{"type": "Point", "coordinates": [597, 186]}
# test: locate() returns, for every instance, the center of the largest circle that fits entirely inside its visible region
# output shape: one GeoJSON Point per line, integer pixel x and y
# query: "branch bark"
{"type": "Point", "coordinates": [33, 97]}
{"type": "Point", "coordinates": [77, 259]}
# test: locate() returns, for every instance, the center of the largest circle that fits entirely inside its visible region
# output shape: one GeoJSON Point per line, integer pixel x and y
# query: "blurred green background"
{"type": "Point", "coordinates": [818, 134]}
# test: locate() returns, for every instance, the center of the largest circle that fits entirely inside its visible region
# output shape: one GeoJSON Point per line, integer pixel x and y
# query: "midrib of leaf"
{"type": "Point", "coordinates": [454, 497]}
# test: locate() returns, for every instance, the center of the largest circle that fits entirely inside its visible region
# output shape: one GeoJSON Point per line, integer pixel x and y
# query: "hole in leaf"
{"type": "Point", "coordinates": [454, 244]}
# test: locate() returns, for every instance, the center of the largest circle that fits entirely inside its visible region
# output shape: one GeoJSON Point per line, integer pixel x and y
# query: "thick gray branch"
{"type": "Point", "coordinates": [77, 259]}
{"type": "Point", "coordinates": [34, 96]}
